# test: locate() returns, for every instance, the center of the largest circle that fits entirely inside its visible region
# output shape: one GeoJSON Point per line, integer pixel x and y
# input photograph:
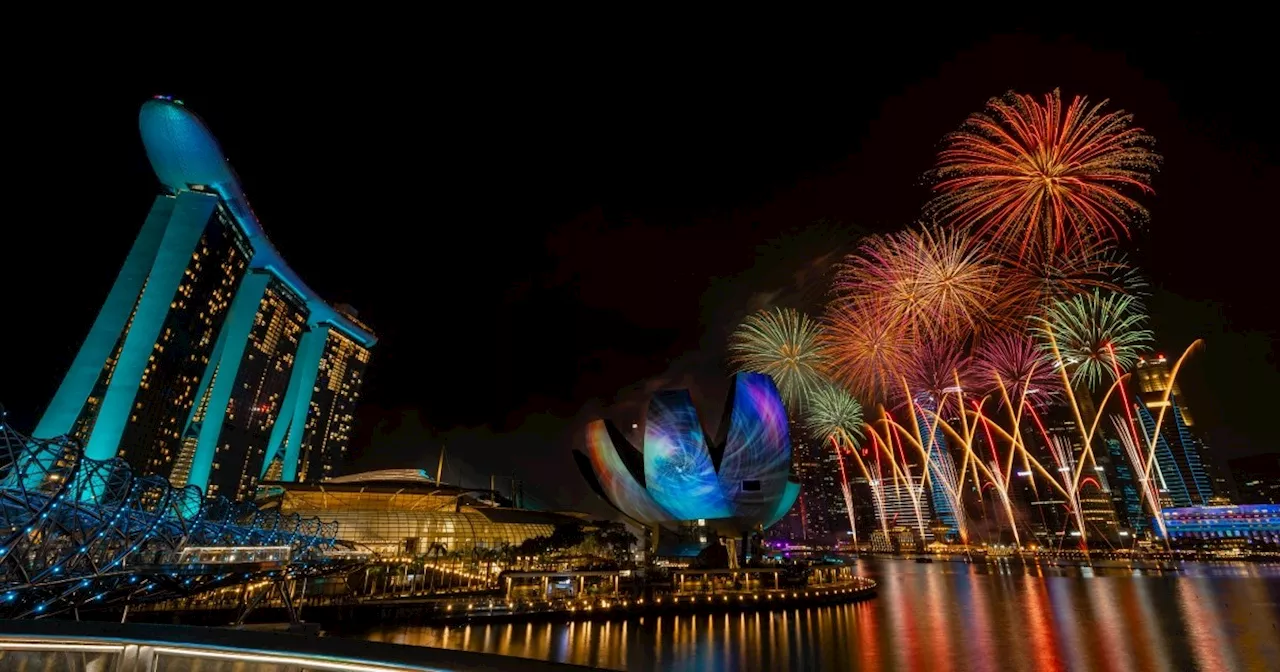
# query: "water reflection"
{"type": "Point", "coordinates": [935, 617]}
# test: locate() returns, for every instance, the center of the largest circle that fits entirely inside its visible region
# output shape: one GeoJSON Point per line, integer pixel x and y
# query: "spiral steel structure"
{"type": "Point", "coordinates": [81, 533]}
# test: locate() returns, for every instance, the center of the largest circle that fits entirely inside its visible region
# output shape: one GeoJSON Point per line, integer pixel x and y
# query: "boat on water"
{"type": "Point", "coordinates": [924, 558]}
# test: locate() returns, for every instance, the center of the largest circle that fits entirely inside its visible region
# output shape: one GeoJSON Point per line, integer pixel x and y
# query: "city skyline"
{"type": "Point", "coordinates": [524, 399]}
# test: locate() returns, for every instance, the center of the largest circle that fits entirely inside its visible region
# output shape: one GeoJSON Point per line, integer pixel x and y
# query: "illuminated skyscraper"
{"type": "Point", "coordinates": [333, 402]}
{"type": "Point", "coordinates": [900, 496]}
{"type": "Point", "coordinates": [819, 514]}
{"type": "Point", "coordinates": [203, 362]}
{"type": "Point", "coordinates": [1180, 467]}
{"type": "Point", "coordinates": [1126, 498]}
{"type": "Point", "coordinates": [943, 478]}
{"type": "Point", "coordinates": [1154, 376]}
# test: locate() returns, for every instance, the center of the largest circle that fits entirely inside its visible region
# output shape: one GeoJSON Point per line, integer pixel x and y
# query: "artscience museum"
{"type": "Point", "coordinates": [733, 484]}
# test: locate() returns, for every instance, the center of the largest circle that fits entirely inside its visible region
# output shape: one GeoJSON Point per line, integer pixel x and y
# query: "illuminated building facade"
{"type": "Point", "coordinates": [204, 362]}
{"type": "Point", "coordinates": [1244, 525]}
{"type": "Point", "coordinates": [1154, 376]}
{"type": "Point", "coordinates": [404, 512]}
{"type": "Point", "coordinates": [1058, 447]}
{"type": "Point", "coordinates": [736, 484]}
{"type": "Point", "coordinates": [333, 402]}
{"type": "Point", "coordinates": [942, 468]}
{"type": "Point", "coordinates": [1126, 498]}
{"type": "Point", "coordinates": [899, 497]}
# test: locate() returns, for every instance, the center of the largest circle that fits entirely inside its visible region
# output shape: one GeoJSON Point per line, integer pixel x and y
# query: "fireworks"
{"type": "Point", "coordinates": [1044, 277]}
{"type": "Point", "coordinates": [1029, 173]}
{"type": "Point", "coordinates": [832, 411]}
{"type": "Point", "coordinates": [1092, 329]}
{"type": "Point", "coordinates": [785, 344]}
{"type": "Point", "coordinates": [869, 354]}
{"type": "Point", "coordinates": [940, 375]}
{"type": "Point", "coordinates": [1016, 362]}
{"type": "Point", "coordinates": [934, 281]}
{"type": "Point", "coordinates": [1011, 301]}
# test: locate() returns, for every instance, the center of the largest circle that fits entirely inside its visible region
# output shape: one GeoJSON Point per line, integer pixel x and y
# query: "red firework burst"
{"type": "Point", "coordinates": [938, 283]}
{"type": "Point", "coordinates": [1016, 361]}
{"type": "Point", "coordinates": [1030, 173]}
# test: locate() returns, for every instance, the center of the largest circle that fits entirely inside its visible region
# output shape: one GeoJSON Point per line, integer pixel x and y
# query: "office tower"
{"type": "Point", "coordinates": [204, 357]}
{"type": "Point", "coordinates": [1154, 376]}
{"type": "Point", "coordinates": [905, 501]}
{"type": "Point", "coordinates": [1183, 479]}
{"type": "Point", "coordinates": [1126, 497]}
{"type": "Point", "coordinates": [1257, 478]}
{"type": "Point", "coordinates": [1093, 494]}
{"type": "Point", "coordinates": [1059, 448]}
{"type": "Point", "coordinates": [818, 517]}
{"type": "Point", "coordinates": [1155, 381]}
{"type": "Point", "coordinates": [943, 479]}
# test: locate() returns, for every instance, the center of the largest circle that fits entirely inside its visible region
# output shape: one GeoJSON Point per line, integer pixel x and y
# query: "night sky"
{"type": "Point", "coordinates": [542, 230]}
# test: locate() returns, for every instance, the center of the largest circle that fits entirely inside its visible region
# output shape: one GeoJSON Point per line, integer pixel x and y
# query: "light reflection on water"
{"type": "Point", "coordinates": [936, 617]}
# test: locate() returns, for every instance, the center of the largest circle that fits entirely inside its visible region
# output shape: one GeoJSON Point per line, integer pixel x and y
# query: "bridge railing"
{"type": "Point", "coordinates": [128, 647]}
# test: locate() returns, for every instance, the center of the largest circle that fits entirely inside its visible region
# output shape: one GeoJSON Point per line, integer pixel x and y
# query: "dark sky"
{"type": "Point", "coordinates": [544, 228]}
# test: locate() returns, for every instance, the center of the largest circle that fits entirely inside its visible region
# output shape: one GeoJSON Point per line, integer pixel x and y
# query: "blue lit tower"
{"type": "Point", "coordinates": [1179, 457]}
{"type": "Point", "coordinates": [942, 467]}
{"type": "Point", "coordinates": [210, 359]}
{"type": "Point", "coordinates": [1125, 495]}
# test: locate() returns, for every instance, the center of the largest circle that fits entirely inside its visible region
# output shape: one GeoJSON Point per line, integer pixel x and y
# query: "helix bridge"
{"type": "Point", "coordinates": [78, 533]}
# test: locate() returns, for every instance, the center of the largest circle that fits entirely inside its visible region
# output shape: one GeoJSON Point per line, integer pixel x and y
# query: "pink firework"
{"type": "Point", "coordinates": [1017, 362]}
{"type": "Point", "coordinates": [940, 375]}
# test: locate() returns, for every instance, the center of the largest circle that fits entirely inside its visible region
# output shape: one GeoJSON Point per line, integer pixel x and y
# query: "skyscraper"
{"type": "Point", "coordinates": [1126, 497]}
{"type": "Point", "coordinates": [1183, 479]}
{"type": "Point", "coordinates": [1154, 378]}
{"type": "Point", "coordinates": [818, 518]}
{"type": "Point", "coordinates": [943, 479]}
{"type": "Point", "coordinates": [202, 364]}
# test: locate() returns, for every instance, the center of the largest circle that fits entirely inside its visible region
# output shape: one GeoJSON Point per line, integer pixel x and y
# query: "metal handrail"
{"type": "Point", "coordinates": [139, 647]}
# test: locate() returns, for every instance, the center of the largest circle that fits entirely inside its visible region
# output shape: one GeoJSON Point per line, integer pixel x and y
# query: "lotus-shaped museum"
{"type": "Point", "coordinates": [737, 483]}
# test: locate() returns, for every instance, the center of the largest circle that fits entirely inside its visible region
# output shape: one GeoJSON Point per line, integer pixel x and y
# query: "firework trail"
{"type": "Point", "coordinates": [1146, 485]}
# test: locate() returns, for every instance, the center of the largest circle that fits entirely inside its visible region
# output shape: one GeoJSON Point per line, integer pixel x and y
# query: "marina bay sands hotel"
{"type": "Point", "coordinates": [211, 362]}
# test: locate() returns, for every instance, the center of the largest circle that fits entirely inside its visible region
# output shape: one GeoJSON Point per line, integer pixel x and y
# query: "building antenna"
{"type": "Point", "coordinates": [440, 467]}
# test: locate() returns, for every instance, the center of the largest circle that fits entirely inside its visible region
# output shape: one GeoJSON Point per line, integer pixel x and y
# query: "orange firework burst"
{"type": "Point", "coordinates": [935, 282]}
{"type": "Point", "coordinates": [868, 352]}
{"type": "Point", "coordinates": [1030, 173]}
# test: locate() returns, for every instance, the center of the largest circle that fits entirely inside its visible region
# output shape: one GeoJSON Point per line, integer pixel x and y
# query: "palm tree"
{"type": "Point", "coordinates": [437, 549]}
